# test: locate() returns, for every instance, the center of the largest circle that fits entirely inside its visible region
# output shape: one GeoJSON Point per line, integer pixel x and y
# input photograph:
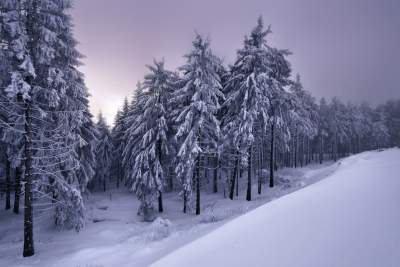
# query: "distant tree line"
{"type": "Point", "coordinates": [204, 126]}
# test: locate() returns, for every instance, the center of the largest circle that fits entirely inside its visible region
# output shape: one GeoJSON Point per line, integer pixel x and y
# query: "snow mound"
{"type": "Point", "coordinates": [159, 229]}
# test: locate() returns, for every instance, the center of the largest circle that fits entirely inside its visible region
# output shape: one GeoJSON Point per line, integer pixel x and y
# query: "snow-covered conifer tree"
{"type": "Point", "coordinates": [118, 132]}
{"type": "Point", "coordinates": [198, 130]}
{"type": "Point", "coordinates": [104, 153]}
{"type": "Point", "coordinates": [247, 100]}
{"type": "Point", "coordinates": [45, 83]}
{"type": "Point", "coordinates": [150, 133]}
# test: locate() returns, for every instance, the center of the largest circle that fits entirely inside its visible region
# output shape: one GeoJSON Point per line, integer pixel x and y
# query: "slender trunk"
{"type": "Point", "coordinates": [159, 158]}
{"type": "Point", "coordinates": [295, 149]}
{"type": "Point", "coordinates": [160, 202]}
{"type": "Point", "coordinates": [248, 193]}
{"type": "Point", "coordinates": [215, 181]}
{"type": "Point", "coordinates": [198, 186]}
{"type": "Point", "coordinates": [259, 182]}
{"type": "Point", "coordinates": [335, 148]}
{"type": "Point", "coordinates": [321, 149]}
{"type": "Point", "coordinates": [184, 201]}
{"type": "Point", "coordinates": [232, 184]}
{"type": "Point", "coordinates": [271, 157]}
{"type": "Point", "coordinates": [260, 161]}
{"type": "Point", "coordinates": [17, 189]}
{"type": "Point", "coordinates": [28, 218]}
{"type": "Point", "coordinates": [8, 185]}
{"type": "Point", "coordinates": [207, 160]}
{"type": "Point", "coordinates": [170, 179]}
{"type": "Point", "coordinates": [237, 180]}
{"type": "Point", "coordinates": [302, 152]}
{"type": "Point", "coordinates": [308, 151]}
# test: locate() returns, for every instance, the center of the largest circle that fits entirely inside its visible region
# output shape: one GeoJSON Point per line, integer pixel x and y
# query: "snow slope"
{"type": "Point", "coordinates": [352, 218]}
{"type": "Point", "coordinates": [115, 236]}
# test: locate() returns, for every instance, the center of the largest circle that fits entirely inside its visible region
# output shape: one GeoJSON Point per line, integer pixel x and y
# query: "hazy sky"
{"type": "Point", "coordinates": [345, 48]}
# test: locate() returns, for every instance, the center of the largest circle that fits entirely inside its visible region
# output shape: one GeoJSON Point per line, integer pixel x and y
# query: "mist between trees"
{"type": "Point", "coordinates": [203, 122]}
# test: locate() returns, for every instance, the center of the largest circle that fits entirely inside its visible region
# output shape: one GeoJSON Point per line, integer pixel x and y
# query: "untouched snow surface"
{"type": "Point", "coordinates": [352, 218]}
{"type": "Point", "coordinates": [349, 219]}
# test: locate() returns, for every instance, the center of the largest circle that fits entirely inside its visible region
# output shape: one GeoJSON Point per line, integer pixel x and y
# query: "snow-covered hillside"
{"type": "Point", "coordinates": [115, 236]}
{"type": "Point", "coordinates": [351, 218]}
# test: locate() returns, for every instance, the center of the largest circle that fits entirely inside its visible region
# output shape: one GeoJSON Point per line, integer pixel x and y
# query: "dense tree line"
{"type": "Point", "coordinates": [203, 125]}
{"type": "Point", "coordinates": [210, 122]}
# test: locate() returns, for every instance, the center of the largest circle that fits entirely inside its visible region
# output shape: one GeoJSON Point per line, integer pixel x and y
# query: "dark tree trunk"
{"type": "Point", "coordinates": [184, 201]}
{"type": "Point", "coordinates": [171, 184]}
{"type": "Point", "coordinates": [215, 178]}
{"type": "Point", "coordinates": [160, 202]}
{"type": "Point", "coordinates": [260, 173]}
{"type": "Point", "coordinates": [321, 149]}
{"type": "Point", "coordinates": [271, 157]}
{"type": "Point", "coordinates": [295, 148]}
{"type": "Point", "coordinates": [335, 148]}
{"type": "Point", "coordinates": [237, 180]}
{"type": "Point", "coordinates": [302, 152]}
{"type": "Point", "coordinates": [17, 190]}
{"type": "Point", "coordinates": [8, 185]}
{"type": "Point", "coordinates": [207, 163]}
{"type": "Point", "coordinates": [275, 158]}
{"type": "Point", "coordinates": [260, 162]}
{"type": "Point", "coordinates": [248, 193]}
{"type": "Point", "coordinates": [198, 186]}
{"type": "Point", "coordinates": [28, 218]}
{"type": "Point", "coordinates": [234, 174]}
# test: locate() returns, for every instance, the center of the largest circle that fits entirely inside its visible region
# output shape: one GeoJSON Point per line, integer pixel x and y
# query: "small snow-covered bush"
{"type": "Point", "coordinates": [159, 229]}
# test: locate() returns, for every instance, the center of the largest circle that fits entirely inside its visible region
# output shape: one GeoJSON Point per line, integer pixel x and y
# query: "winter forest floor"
{"type": "Point", "coordinates": [115, 236]}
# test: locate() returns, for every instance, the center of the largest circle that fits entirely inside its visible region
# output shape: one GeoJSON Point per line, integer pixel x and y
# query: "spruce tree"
{"type": "Point", "coordinates": [104, 150]}
{"type": "Point", "coordinates": [118, 132]}
{"type": "Point", "coordinates": [197, 101]}
{"type": "Point", "coordinates": [151, 130]}
{"type": "Point", "coordinates": [247, 101]}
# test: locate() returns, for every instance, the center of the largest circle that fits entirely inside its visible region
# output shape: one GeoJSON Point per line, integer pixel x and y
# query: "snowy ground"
{"type": "Point", "coordinates": [115, 236]}
{"type": "Point", "coordinates": [351, 218]}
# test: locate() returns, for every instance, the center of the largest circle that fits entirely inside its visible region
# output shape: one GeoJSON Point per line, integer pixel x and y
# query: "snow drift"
{"type": "Point", "coordinates": [351, 218]}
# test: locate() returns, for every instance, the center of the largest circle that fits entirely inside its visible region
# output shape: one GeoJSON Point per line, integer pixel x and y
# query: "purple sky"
{"type": "Point", "coordinates": [345, 48]}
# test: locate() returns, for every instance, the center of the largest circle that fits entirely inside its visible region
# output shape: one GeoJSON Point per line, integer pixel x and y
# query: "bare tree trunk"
{"type": "Point", "coordinates": [17, 189]}
{"type": "Point", "coordinates": [197, 180]}
{"type": "Point", "coordinates": [271, 158]}
{"type": "Point", "coordinates": [8, 185]}
{"type": "Point", "coordinates": [184, 201]}
{"type": "Point", "coordinates": [295, 149]}
{"type": "Point", "coordinates": [28, 218]}
{"type": "Point", "coordinates": [248, 193]}
{"type": "Point", "coordinates": [335, 148]}
{"type": "Point", "coordinates": [234, 174]}
{"type": "Point", "coordinates": [237, 181]}
{"type": "Point", "coordinates": [215, 179]}
{"type": "Point", "coordinates": [170, 179]}
{"type": "Point", "coordinates": [160, 202]}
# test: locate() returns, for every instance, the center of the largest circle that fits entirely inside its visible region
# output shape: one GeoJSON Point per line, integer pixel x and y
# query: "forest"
{"type": "Point", "coordinates": [205, 124]}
